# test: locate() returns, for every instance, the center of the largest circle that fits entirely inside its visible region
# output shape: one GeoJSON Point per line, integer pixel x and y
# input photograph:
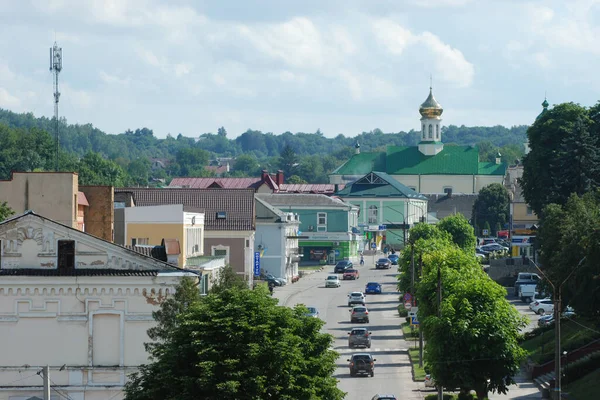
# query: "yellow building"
{"type": "Point", "coordinates": [523, 219]}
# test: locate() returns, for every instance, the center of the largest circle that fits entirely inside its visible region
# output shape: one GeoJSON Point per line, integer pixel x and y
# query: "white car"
{"type": "Point", "coordinates": [542, 307]}
{"type": "Point", "coordinates": [537, 298]}
{"type": "Point", "coordinates": [429, 382]}
{"type": "Point", "coordinates": [356, 298]}
{"type": "Point", "coordinates": [332, 281]}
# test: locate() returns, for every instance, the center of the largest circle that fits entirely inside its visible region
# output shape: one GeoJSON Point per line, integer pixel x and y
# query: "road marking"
{"type": "Point", "coordinates": [377, 350]}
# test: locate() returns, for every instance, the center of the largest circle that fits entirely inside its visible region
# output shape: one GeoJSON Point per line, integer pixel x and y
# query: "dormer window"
{"type": "Point", "coordinates": [221, 215]}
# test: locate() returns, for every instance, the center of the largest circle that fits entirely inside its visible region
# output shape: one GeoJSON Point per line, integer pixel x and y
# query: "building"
{"type": "Point", "coordinates": [328, 225]}
{"type": "Point", "coordinates": [76, 303]}
{"type": "Point", "coordinates": [429, 168]}
{"type": "Point", "coordinates": [387, 209]}
{"type": "Point", "coordinates": [229, 216]}
{"type": "Point", "coordinates": [276, 241]}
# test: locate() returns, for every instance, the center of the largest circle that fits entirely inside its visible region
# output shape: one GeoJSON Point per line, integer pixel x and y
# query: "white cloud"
{"type": "Point", "coordinates": [78, 99]}
{"type": "Point", "coordinates": [440, 3]}
{"type": "Point", "coordinates": [182, 69]}
{"type": "Point", "coordinates": [450, 63]}
{"type": "Point", "coordinates": [110, 79]}
{"type": "Point", "coordinates": [392, 36]}
{"type": "Point", "coordinates": [7, 100]}
{"type": "Point", "coordinates": [353, 84]}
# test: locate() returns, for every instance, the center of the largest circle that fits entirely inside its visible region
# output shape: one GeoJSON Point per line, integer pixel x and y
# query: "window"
{"type": "Point", "coordinates": [140, 241]}
{"type": "Point", "coordinates": [372, 217]}
{"type": "Point", "coordinates": [119, 204]}
{"type": "Point", "coordinates": [424, 131]}
{"type": "Point", "coordinates": [437, 132]}
{"type": "Point", "coordinates": [529, 211]}
{"type": "Point", "coordinates": [430, 131]}
{"type": "Point", "coordinates": [448, 190]}
{"type": "Point", "coordinates": [321, 218]}
{"type": "Point", "coordinates": [220, 253]}
{"type": "Point", "coordinates": [66, 254]}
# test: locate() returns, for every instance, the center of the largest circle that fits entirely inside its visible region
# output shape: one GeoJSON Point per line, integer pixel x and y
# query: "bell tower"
{"type": "Point", "coordinates": [431, 129]}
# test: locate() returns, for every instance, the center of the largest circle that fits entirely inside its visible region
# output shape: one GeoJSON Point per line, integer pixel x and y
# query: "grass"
{"type": "Point", "coordinates": [410, 333]}
{"type": "Point", "coordinates": [573, 335]}
{"type": "Point", "coordinates": [587, 387]}
{"type": "Point", "coordinates": [418, 373]}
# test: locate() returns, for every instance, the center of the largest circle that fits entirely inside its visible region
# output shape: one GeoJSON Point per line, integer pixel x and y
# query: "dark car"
{"type": "Point", "coordinates": [342, 266]}
{"type": "Point", "coordinates": [362, 363]}
{"type": "Point", "coordinates": [359, 337]}
{"type": "Point", "coordinates": [383, 263]}
{"type": "Point", "coordinates": [384, 397]}
{"type": "Point", "coordinates": [373, 287]}
{"type": "Point", "coordinates": [393, 258]}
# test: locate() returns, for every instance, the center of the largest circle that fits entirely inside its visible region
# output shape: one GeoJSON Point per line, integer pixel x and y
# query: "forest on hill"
{"type": "Point", "coordinates": [139, 158]}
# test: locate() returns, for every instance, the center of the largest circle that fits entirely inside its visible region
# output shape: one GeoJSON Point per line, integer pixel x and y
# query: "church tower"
{"type": "Point", "coordinates": [431, 129]}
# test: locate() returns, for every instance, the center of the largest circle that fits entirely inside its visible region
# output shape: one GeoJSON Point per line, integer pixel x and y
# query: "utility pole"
{"type": "Point", "coordinates": [55, 68]}
{"type": "Point", "coordinates": [420, 326]}
{"type": "Point", "coordinates": [440, 389]}
{"type": "Point", "coordinates": [46, 377]}
{"type": "Point", "coordinates": [412, 266]}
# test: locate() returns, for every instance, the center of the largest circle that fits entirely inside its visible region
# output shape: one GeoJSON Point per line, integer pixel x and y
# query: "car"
{"type": "Point", "coordinates": [332, 281]}
{"type": "Point", "coordinates": [362, 363]}
{"type": "Point", "coordinates": [383, 263]}
{"type": "Point", "coordinates": [312, 312]}
{"type": "Point", "coordinates": [546, 320]}
{"type": "Point", "coordinates": [359, 337]}
{"type": "Point", "coordinates": [526, 278]}
{"type": "Point", "coordinates": [384, 397]}
{"type": "Point", "coordinates": [537, 297]}
{"type": "Point", "coordinates": [359, 314]}
{"type": "Point", "coordinates": [479, 250]}
{"type": "Point", "coordinates": [429, 382]}
{"type": "Point", "coordinates": [394, 258]}
{"type": "Point", "coordinates": [373, 288]}
{"type": "Point", "coordinates": [273, 281]}
{"type": "Point", "coordinates": [493, 247]}
{"type": "Point", "coordinates": [356, 298]}
{"type": "Point", "coordinates": [480, 256]}
{"type": "Point", "coordinates": [280, 281]}
{"type": "Point", "coordinates": [542, 307]}
{"type": "Point", "coordinates": [485, 241]}
{"type": "Point", "coordinates": [350, 273]}
{"type": "Point", "coordinates": [342, 266]}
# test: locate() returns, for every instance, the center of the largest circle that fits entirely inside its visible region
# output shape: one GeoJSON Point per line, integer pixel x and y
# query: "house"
{"type": "Point", "coordinates": [440, 206]}
{"type": "Point", "coordinates": [328, 225]}
{"type": "Point", "coordinates": [76, 303]}
{"type": "Point", "coordinates": [228, 218]}
{"type": "Point", "coordinates": [429, 168]}
{"type": "Point", "coordinates": [523, 223]}
{"type": "Point", "coordinates": [276, 241]}
{"type": "Point", "coordinates": [150, 225]}
{"type": "Point", "coordinates": [267, 183]}
{"type": "Point", "coordinates": [387, 209]}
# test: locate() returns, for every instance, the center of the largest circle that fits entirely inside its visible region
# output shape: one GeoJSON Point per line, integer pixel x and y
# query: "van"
{"type": "Point", "coordinates": [526, 278]}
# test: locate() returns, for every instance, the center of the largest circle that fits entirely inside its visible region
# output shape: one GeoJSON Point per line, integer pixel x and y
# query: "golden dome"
{"type": "Point", "coordinates": [431, 108]}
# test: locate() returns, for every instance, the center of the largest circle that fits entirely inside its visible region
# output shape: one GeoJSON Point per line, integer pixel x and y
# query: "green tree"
{"type": "Point", "coordinates": [139, 171]}
{"type": "Point", "coordinates": [295, 179]}
{"type": "Point", "coordinates": [462, 233]}
{"type": "Point", "coordinates": [288, 160]}
{"type": "Point", "coordinates": [222, 132]}
{"type": "Point", "coordinates": [5, 211]}
{"type": "Point", "coordinates": [239, 344]}
{"type": "Point", "coordinates": [247, 164]}
{"type": "Point", "coordinates": [228, 279]}
{"type": "Point", "coordinates": [492, 206]}
{"type": "Point", "coordinates": [95, 170]}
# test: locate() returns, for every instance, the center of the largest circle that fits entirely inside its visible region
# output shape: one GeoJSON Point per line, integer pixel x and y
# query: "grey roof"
{"type": "Point", "coordinates": [442, 205]}
{"type": "Point", "coordinates": [265, 210]}
{"type": "Point", "coordinates": [303, 200]}
{"type": "Point", "coordinates": [379, 184]}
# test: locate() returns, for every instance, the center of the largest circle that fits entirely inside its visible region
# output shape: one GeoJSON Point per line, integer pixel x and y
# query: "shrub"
{"type": "Point", "coordinates": [580, 368]}
{"type": "Point", "coordinates": [402, 312]}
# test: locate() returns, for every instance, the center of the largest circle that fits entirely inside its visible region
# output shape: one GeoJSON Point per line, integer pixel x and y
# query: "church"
{"type": "Point", "coordinates": [430, 167]}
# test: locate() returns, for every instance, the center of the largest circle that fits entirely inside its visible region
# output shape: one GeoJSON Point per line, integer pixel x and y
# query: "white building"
{"type": "Point", "coordinates": [75, 303]}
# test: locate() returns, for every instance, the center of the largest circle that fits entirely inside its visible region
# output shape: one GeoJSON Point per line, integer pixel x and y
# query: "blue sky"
{"type": "Point", "coordinates": [341, 66]}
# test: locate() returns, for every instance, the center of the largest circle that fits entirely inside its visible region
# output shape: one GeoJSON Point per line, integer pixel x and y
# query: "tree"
{"type": "Point", "coordinates": [472, 343]}
{"type": "Point", "coordinates": [222, 132]}
{"type": "Point", "coordinates": [226, 279]}
{"type": "Point", "coordinates": [5, 211]}
{"type": "Point", "coordinates": [288, 160]}
{"type": "Point", "coordinates": [492, 206]}
{"type": "Point", "coordinates": [295, 179]}
{"type": "Point", "coordinates": [246, 163]}
{"type": "Point", "coordinates": [462, 233]}
{"type": "Point", "coordinates": [239, 344]}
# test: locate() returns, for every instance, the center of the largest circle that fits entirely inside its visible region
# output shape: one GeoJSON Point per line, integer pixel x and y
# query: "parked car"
{"type": "Point", "coordinates": [493, 247]}
{"type": "Point", "coordinates": [393, 259]}
{"type": "Point", "coordinates": [359, 337]}
{"type": "Point", "coordinates": [383, 263]}
{"type": "Point", "coordinates": [429, 382]}
{"type": "Point", "coordinates": [373, 288]}
{"type": "Point", "coordinates": [362, 363]}
{"type": "Point", "coordinates": [356, 298]}
{"type": "Point", "coordinates": [545, 319]}
{"type": "Point", "coordinates": [351, 273]}
{"type": "Point", "coordinates": [485, 241]}
{"type": "Point", "coordinates": [384, 397]}
{"type": "Point", "coordinates": [359, 314]}
{"type": "Point", "coordinates": [280, 281]}
{"type": "Point", "coordinates": [479, 250]}
{"type": "Point", "coordinates": [332, 281]}
{"type": "Point", "coordinates": [526, 278]}
{"type": "Point", "coordinates": [342, 266]}
{"type": "Point", "coordinates": [542, 307]}
{"type": "Point", "coordinates": [312, 312]}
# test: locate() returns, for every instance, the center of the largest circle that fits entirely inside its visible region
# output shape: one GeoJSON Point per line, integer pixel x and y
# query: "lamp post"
{"type": "Point", "coordinates": [557, 297]}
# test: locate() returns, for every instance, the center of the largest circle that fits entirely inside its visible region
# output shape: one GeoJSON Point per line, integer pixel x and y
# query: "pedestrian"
{"type": "Point", "coordinates": [362, 259]}
{"type": "Point", "coordinates": [271, 287]}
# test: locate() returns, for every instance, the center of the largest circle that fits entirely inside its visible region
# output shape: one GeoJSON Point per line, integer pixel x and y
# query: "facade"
{"type": "Point", "coordinates": [149, 225]}
{"type": "Point", "coordinates": [228, 219]}
{"type": "Point", "coordinates": [523, 221]}
{"type": "Point", "coordinates": [277, 240]}
{"type": "Point", "coordinates": [387, 209]}
{"type": "Point", "coordinates": [328, 225]}
{"type": "Point", "coordinates": [430, 167]}
{"type": "Point", "coordinates": [77, 303]}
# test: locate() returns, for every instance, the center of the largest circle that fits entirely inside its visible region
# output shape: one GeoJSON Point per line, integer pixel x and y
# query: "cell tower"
{"type": "Point", "coordinates": [55, 68]}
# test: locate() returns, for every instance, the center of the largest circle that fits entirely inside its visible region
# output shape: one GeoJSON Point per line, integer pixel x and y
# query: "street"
{"type": "Point", "coordinates": [392, 369]}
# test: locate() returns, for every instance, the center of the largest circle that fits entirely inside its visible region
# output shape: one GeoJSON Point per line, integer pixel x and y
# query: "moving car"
{"type": "Point", "coordinates": [373, 288]}
{"type": "Point", "coordinates": [312, 312]}
{"type": "Point", "coordinates": [393, 258]}
{"type": "Point", "coordinates": [362, 363]}
{"type": "Point", "coordinates": [359, 337]}
{"type": "Point", "coordinates": [384, 397]}
{"type": "Point", "coordinates": [356, 298]}
{"type": "Point", "coordinates": [332, 281]}
{"type": "Point", "coordinates": [542, 307]}
{"type": "Point", "coordinates": [359, 314]}
{"type": "Point", "coordinates": [350, 273]}
{"type": "Point", "coordinates": [383, 263]}
{"type": "Point", "coordinates": [342, 266]}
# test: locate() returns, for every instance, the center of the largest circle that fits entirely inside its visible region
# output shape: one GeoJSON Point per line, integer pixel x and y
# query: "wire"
{"type": "Point", "coordinates": [20, 379]}
{"type": "Point", "coordinates": [65, 394]}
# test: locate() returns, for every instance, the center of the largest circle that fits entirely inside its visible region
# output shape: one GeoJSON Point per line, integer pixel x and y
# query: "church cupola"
{"type": "Point", "coordinates": [357, 148]}
{"type": "Point", "coordinates": [431, 130]}
{"type": "Point", "coordinates": [498, 158]}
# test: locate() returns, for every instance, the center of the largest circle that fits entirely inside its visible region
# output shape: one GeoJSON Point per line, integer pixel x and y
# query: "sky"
{"type": "Point", "coordinates": [340, 66]}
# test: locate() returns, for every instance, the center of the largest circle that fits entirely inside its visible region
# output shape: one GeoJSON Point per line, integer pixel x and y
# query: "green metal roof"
{"type": "Point", "coordinates": [378, 184]}
{"type": "Point", "coordinates": [490, 168]}
{"type": "Point", "coordinates": [362, 163]}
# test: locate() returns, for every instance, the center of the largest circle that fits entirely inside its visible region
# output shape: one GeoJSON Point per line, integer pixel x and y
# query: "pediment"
{"type": "Point", "coordinates": [31, 241]}
{"type": "Point", "coordinates": [371, 179]}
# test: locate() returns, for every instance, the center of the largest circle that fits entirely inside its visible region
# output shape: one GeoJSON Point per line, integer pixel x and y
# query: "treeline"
{"type": "Point", "coordinates": [126, 158]}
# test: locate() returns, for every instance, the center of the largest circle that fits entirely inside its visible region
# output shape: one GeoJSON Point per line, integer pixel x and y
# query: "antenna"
{"type": "Point", "coordinates": [55, 68]}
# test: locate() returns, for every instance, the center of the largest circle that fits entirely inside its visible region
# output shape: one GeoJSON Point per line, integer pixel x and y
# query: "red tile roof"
{"type": "Point", "coordinates": [238, 204]}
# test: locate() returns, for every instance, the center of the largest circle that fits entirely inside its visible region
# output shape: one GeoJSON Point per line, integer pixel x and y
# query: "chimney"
{"type": "Point", "coordinates": [357, 148]}
{"type": "Point", "coordinates": [227, 166]}
{"type": "Point", "coordinates": [336, 187]}
{"type": "Point", "coordinates": [279, 177]}
{"type": "Point", "coordinates": [498, 158]}
{"type": "Point", "coordinates": [263, 175]}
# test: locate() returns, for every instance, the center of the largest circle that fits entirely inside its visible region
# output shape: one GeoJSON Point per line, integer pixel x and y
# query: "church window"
{"type": "Point", "coordinates": [66, 254]}
{"type": "Point", "coordinates": [437, 132]}
{"type": "Point", "coordinates": [423, 131]}
{"type": "Point", "coordinates": [430, 131]}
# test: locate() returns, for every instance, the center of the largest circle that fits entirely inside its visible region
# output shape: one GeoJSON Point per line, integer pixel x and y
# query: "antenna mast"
{"type": "Point", "coordinates": [55, 68]}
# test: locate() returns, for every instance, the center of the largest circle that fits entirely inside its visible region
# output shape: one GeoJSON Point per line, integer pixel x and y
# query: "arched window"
{"type": "Point", "coordinates": [424, 131]}
{"type": "Point", "coordinates": [437, 132]}
{"type": "Point", "coordinates": [372, 215]}
{"type": "Point", "coordinates": [430, 131]}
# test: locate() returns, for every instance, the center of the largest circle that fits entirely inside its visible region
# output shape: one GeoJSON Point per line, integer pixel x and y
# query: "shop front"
{"type": "Point", "coordinates": [323, 251]}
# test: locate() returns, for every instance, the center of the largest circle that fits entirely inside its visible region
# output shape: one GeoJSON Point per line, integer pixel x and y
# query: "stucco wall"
{"type": "Point", "coordinates": [155, 233]}
{"type": "Point", "coordinates": [520, 213]}
{"type": "Point", "coordinates": [99, 215]}
{"type": "Point", "coordinates": [235, 250]}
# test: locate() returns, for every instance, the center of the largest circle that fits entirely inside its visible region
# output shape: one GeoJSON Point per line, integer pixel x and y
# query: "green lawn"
{"type": "Point", "coordinates": [587, 387]}
{"type": "Point", "coordinates": [410, 333]}
{"type": "Point", "coordinates": [573, 335]}
{"type": "Point", "coordinates": [418, 373]}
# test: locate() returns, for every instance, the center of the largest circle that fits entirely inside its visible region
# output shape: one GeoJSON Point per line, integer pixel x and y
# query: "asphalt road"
{"type": "Point", "coordinates": [392, 369]}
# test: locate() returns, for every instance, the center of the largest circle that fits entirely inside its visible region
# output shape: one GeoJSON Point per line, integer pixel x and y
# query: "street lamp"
{"type": "Point", "coordinates": [557, 294]}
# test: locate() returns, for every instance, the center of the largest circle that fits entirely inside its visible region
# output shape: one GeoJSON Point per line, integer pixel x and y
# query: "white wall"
{"type": "Point", "coordinates": [155, 214]}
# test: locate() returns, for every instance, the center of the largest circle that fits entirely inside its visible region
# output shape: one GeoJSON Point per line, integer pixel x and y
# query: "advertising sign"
{"type": "Point", "coordinates": [256, 263]}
